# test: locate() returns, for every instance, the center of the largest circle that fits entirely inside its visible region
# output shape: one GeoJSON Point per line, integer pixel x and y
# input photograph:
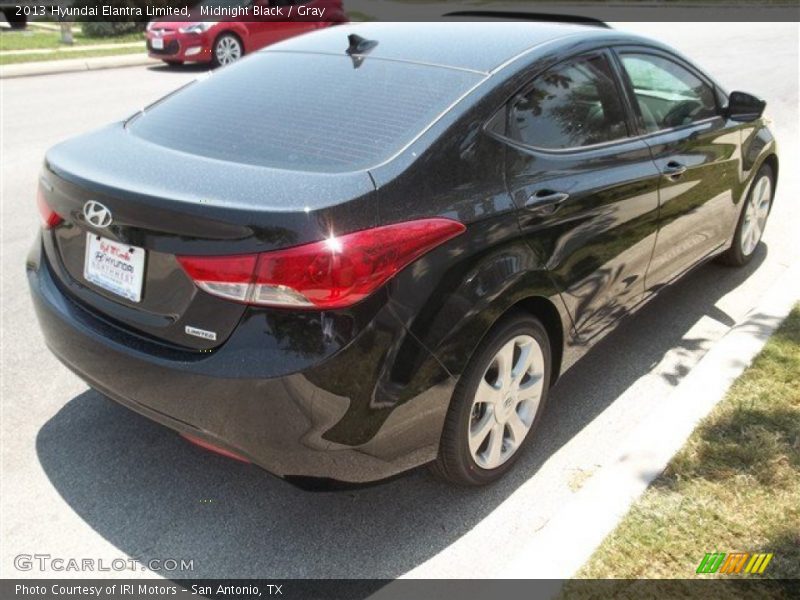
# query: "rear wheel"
{"type": "Point", "coordinates": [227, 49]}
{"type": "Point", "coordinates": [752, 219]}
{"type": "Point", "coordinates": [497, 402]}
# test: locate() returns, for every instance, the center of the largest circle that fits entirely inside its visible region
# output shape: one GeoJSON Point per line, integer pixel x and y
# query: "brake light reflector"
{"type": "Point", "coordinates": [50, 218]}
{"type": "Point", "coordinates": [333, 273]}
{"type": "Point", "coordinates": [212, 448]}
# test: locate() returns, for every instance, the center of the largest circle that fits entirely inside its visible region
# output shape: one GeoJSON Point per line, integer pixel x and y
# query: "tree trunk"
{"type": "Point", "coordinates": [66, 33]}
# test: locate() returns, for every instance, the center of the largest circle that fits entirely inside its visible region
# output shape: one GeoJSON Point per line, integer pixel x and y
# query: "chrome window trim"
{"type": "Point", "coordinates": [589, 148]}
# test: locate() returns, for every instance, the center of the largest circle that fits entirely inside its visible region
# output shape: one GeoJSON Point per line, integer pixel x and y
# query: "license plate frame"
{"type": "Point", "coordinates": [115, 267]}
{"type": "Point", "coordinates": [157, 43]}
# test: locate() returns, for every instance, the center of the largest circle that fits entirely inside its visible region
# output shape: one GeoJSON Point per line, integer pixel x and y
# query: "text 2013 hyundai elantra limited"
{"type": "Point", "coordinates": [370, 248]}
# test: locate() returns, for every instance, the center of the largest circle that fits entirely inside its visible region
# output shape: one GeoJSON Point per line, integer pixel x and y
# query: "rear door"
{"type": "Point", "coordinates": [678, 111]}
{"type": "Point", "coordinates": [586, 189]}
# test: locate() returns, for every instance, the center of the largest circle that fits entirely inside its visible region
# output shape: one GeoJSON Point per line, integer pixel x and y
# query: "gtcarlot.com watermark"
{"type": "Point", "coordinates": [49, 563]}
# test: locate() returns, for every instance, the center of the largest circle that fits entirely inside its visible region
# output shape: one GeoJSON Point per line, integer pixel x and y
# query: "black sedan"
{"type": "Point", "coordinates": [378, 246]}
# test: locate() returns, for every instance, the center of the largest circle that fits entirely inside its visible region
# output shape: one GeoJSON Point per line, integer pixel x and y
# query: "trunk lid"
{"type": "Point", "coordinates": [169, 203]}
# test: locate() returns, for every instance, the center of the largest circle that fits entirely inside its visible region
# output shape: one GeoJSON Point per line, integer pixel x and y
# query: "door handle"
{"type": "Point", "coordinates": [545, 199]}
{"type": "Point", "coordinates": [674, 169]}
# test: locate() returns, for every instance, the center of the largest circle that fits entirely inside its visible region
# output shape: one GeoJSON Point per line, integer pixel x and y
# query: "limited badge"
{"type": "Point", "coordinates": [201, 333]}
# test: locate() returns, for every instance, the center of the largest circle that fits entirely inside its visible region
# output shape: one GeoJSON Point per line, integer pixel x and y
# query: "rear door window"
{"type": "Point", "coordinates": [576, 103]}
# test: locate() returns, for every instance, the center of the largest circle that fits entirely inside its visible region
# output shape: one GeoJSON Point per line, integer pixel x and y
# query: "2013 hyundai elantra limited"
{"type": "Point", "coordinates": [375, 247]}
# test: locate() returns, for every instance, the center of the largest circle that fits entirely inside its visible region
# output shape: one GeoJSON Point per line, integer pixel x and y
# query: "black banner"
{"type": "Point", "coordinates": [401, 589]}
{"type": "Point", "coordinates": [401, 10]}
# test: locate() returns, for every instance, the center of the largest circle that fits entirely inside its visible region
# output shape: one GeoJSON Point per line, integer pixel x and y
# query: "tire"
{"type": "Point", "coordinates": [755, 211]}
{"type": "Point", "coordinates": [224, 51]}
{"type": "Point", "coordinates": [470, 418]}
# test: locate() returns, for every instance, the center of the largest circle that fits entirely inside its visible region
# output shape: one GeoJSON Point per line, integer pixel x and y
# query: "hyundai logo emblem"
{"type": "Point", "coordinates": [97, 214]}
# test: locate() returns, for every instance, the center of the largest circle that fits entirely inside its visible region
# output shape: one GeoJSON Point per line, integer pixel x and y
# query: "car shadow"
{"type": "Point", "coordinates": [182, 68]}
{"type": "Point", "coordinates": [154, 496]}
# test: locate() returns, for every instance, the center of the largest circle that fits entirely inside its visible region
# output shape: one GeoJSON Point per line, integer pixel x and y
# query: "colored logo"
{"type": "Point", "coordinates": [736, 562]}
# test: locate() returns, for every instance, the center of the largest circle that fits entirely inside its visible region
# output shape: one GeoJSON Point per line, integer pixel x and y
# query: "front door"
{"type": "Point", "coordinates": [697, 155]}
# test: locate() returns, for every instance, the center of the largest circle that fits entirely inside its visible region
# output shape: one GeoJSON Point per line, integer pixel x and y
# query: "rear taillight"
{"type": "Point", "coordinates": [50, 218]}
{"type": "Point", "coordinates": [333, 273]}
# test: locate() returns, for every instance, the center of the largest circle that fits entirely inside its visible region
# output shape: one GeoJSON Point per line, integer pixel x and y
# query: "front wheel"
{"type": "Point", "coordinates": [227, 49]}
{"type": "Point", "coordinates": [497, 402]}
{"type": "Point", "coordinates": [752, 219]}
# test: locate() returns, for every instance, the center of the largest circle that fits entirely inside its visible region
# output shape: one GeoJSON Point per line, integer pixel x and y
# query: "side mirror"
{"type": "Point", "coordinates": [744, 107]}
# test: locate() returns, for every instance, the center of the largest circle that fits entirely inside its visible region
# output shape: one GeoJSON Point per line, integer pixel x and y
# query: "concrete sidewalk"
{"type": "Point", "coordinates": [94, 63]}
{"type": "Point", "coordinates": [570, 538]}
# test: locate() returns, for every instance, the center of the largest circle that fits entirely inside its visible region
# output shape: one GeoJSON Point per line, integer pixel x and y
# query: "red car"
{"type": "Point", "coordinates": [244, 27]}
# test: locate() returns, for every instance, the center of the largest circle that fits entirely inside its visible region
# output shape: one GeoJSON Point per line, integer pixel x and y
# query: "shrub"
{"type": "Point", "coordinates": [109, 29]}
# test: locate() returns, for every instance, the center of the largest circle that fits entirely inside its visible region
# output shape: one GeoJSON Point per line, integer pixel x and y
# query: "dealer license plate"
{"type": "Point", "coordinates": [118, 268]}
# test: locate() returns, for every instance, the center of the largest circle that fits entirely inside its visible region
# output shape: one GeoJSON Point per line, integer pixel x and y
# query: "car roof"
{"type": "Point", "coordinates": [477, 46]}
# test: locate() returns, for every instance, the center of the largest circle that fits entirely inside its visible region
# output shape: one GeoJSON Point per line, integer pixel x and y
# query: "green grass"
{"type": "Point", "coordinates": [36, 39]}
{"type": "Point", "coordinates": [6, 59]}
{"type": "Point", "coordinates": [734, 486]}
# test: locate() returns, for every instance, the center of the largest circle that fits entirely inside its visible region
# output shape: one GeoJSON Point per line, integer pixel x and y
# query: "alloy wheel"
{"type": "Point", "coordinates": [227, 50]}
{"type": "Point", "coordinates": [755, 216]}
{"type": "Point", "coordinates": [506, 402]}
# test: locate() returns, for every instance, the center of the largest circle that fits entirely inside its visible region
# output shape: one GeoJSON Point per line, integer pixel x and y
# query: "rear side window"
{"type": "Point", "coordinates": [304, 112]}
{"type": "Point", "coordinates": [668, 95]}
{"type": "Point", "coordinates": [573, 104]}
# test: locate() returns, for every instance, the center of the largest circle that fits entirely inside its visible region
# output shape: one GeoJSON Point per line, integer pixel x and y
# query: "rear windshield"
{"type": "Point", "coordinates": [304, 111]}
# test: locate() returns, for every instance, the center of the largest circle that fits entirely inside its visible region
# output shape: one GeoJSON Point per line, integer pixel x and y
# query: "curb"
{"type": "Point", "coordinates": [70, 65]}
{"type": "Point", "coordinates": [570, 538]}
{"type": "Point", "coordinates": [74, 48]}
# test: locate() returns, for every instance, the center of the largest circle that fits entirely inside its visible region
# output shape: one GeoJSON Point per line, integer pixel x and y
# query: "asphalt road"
{"type": "Point", "coordinates": [84, 478]}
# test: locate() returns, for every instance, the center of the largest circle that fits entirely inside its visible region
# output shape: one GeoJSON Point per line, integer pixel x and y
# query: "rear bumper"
{"type": "Point", "coordinates": [372, 409]}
